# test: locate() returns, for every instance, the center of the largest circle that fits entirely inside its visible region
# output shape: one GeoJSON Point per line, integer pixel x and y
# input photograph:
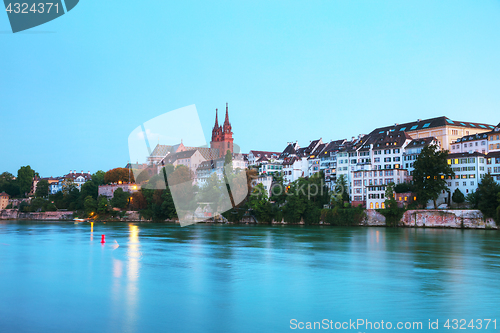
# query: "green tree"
{"type": "Point", "coordinates": [228, 159]}
{"type": "Point", "coordinates": [160, 205]}
{"type": "Point", "coordinates": [212, 193]}
{"type": "Point", "coordinates": [90, 206]}
{"type": "Point", "coordinates": [59, 201]}
{"type": "Point", "coordinates": [341, 190]}
{"type": "Point", "coordinates": [102, 205]}
{"type": "Point", "coordinates": [68, 185]}
{"type": "Point", "coordinates": [458, 197]}
{"type": "Point", "coordinates": [487, 193]}
{"type": "Point", "coordinates": [42, 189]}
{"type": "Point", "coordinates": [72, 199]}
{"type": "Point", "coordinates": [120, 199]}
{"type": "Point", "coordinates": [259, 204]}
{"type": "Point", "coordinates": [403, 188]}
{"type": "Point", "coordinates": [472, 199]}
{"type": "Point", "coordinates": [9, 185]}
{"type": "Point", "coordinates": [91, 188]}
{"type": "Point", "coordinates": [98, 177]}
{"type": "Point", "coordinates": [430, 174]}
{"type": "Point", "coordinates": [25, 179]}
{"type": "Point", "coordinates": [392, 212]}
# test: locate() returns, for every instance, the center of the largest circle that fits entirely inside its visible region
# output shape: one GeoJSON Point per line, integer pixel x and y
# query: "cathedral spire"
{"type": "Point", "coordinates": [216, 119]}
{"type": "Point", "coordinates": [226, 121]}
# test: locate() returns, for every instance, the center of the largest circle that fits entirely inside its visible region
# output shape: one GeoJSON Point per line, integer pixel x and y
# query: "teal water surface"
{"type": "Point", "coordinates": [58, 277]}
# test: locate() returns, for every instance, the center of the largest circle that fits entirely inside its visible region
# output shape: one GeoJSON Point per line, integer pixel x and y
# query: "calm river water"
{"type": "Point", "coordinates": [57, 277]}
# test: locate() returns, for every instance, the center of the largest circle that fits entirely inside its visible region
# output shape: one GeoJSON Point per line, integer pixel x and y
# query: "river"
{"type": "Point", "coordinates": [58, 277]}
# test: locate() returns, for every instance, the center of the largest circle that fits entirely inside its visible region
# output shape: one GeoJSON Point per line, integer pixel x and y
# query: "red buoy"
{"type": "Point", "coordinates": [102, 239]}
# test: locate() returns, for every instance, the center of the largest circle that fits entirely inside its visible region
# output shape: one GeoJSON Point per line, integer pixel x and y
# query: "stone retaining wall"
{"type": "Point", "coordinates": [14, 214]}
{"type": "Point", "coordinates": [473, 219]}
{"type": "Point", "coordinates": [438, 218]}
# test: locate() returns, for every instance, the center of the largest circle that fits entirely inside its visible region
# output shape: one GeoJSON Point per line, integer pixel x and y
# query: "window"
{"type": "Point", "coordinates": [465, 183]}
{"type": "Point", "coordinates": [472, 183]}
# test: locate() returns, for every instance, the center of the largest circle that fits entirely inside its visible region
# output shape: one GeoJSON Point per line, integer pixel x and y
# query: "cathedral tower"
{"type": "Point", "coordinates": [222, 136]}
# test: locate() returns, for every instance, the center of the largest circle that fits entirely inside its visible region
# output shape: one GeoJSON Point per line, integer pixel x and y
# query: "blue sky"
{"type": "Point", "coordinates": [72, 90]}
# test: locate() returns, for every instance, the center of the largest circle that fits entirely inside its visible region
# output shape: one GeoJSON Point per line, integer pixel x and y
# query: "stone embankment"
{"type": "Point", "coordinates": [438, 218]}
{"type": "Point", "coordinates": [468, 219]}
{"type": "Point", "coordinates": [14, 214]}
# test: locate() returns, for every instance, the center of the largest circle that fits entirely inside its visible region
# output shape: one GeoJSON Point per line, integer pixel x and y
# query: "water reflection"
{"type": "Point", "coordinates": [133, 255]}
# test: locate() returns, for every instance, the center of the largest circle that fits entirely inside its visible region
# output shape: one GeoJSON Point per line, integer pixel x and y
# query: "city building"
{"type": "Point", "coordinates": [328, 161]}
{"type": "Point", "coordinates": [76, 178]}
{"type": "Point", "coordinates": [368, 187]}
{"type": "Point", "coordinates": [258, 156]}
{"type": "Point", "coordinates": [4, 200]}
{"type": "Point", "coordinates": [471, 143]}
{"type": "Point", "coordinates": [109, 190]}
{"type": "Point", "coordinates": [222, 136]}
{"type": "Point", "coordinates": [469, 168]}
{"type": "Point", "coordinates": [493, 165]}
{"type": "Point", "coordinates": [271, 168]}
{"type": "Point", "coordinates": [413, 149]}
{"type": "Point", "coordinates": [207, 168]}
{"type": "Point", "coordinates": [445, 130]}
{"type": "Point", "coordinates": [494, 139]}
{"type": "Point", "coordinates": [266, 181]}
{"type": "Point", "coordinates": [189, 158]}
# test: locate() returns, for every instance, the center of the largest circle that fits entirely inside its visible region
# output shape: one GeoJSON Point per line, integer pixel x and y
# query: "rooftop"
{"type": "Point", "coordinates": [432, 123]}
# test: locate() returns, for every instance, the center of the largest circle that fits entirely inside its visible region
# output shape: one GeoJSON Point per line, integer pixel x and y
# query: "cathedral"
{"type": "Point", "coordinates": [222, 136]}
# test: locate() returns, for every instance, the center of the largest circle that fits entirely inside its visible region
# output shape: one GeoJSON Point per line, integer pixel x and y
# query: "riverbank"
{"type": "Point", "coordinates": [455, 219]}
{"type": "Point", "coordinates": [436, 218]}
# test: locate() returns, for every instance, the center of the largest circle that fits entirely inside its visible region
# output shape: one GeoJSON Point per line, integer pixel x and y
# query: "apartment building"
{"type": "Point", "coordinates": [469, 168]}
{"type": "Point", "coordinates": [471, 143]}
{"type": "Point", "coordinates": [493, 165]}
{"type": "Point", "coordinates": [443, 129]}
{"type": "Point", "coordinates": [4, 200]}
{"type": "Point", "coordinates": [494, 139]}
{"type": "Point", "coordinates": [413, 149]}
{"type": "Point", "coordinates": [368, 187]}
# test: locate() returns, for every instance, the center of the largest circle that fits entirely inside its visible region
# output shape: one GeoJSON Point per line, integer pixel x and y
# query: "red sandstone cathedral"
{"type": "Point", "coordinates": [222, 136]}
